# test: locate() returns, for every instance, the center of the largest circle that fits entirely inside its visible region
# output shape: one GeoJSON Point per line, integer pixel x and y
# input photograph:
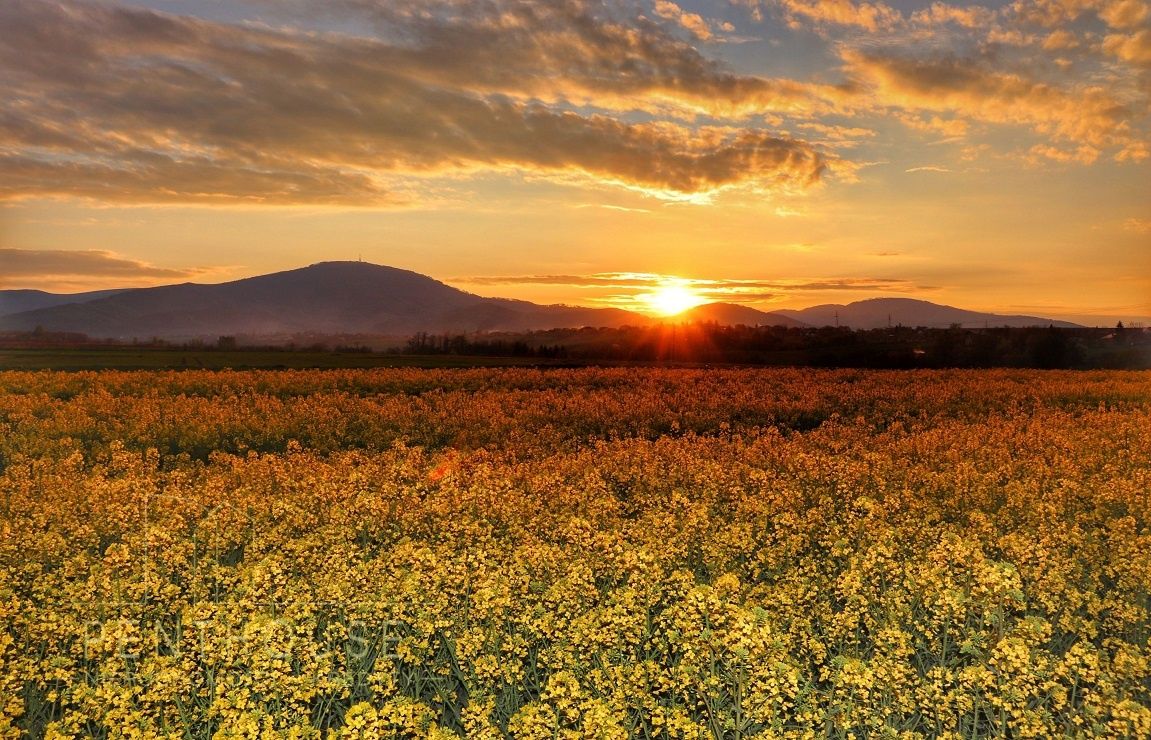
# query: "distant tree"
{"type": "Point", "coordinates": [1051, 348]}
{"type": "Point", "coordinates": [226, 343]}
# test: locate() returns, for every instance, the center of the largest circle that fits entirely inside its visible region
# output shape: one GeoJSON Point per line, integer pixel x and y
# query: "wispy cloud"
{"type": "Point", "coordinates": [693, 23]}
{"type": "Point", "coordinates": [726, 287]}
{"type": "Point", "coordinates": [1138, 225]}
{"type": "Point", "coordinates": [1087, 115]}
{"type": "Point", "coordinates": [610, 207]}
{"type": "Point", "coordinates": [868, 16]}
{"type": "Point", "coordinates": [50, 266]}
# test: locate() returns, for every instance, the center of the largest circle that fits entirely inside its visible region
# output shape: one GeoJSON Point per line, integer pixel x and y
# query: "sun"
{"type": "Point", "coordinates": [672, 298]}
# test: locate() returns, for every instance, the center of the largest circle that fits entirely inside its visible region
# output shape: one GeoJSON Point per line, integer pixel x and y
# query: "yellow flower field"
{"type": "Point", "coordinates": [613, 553]}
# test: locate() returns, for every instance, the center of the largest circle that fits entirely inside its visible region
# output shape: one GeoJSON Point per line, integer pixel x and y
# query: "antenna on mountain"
{"type": "Point", "coordinates": [361, 257]}
{"type": "Point", "coordinates": [837, 319]}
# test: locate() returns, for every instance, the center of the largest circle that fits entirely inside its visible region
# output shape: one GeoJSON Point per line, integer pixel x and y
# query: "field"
{"type": "Point", "coordinates": [575, 553]}
{"type": "Point", "coordinates": [151, 358]}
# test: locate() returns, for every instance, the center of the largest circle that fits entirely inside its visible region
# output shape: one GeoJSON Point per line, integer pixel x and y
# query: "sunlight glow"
{"type": "Point", "coordinates": [672, 298]}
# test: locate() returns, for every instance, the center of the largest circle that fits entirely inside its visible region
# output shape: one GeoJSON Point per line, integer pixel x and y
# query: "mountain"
{"type": "Point", "coordinates": [876, 313]}
{"type": "Point", "coordinates": [362, 298]}
{"type": "Point", "coordinates": [734, 314]}
{"type": "Point", "coordinates": [16, 301]}
{"type": "Point", "coordinates": [325, 298]}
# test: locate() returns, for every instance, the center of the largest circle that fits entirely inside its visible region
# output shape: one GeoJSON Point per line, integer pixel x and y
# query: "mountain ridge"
{"type": "Point", "coordinates": [877, 313]}
{"type": "Point", "coordinates": [18, 301]}
{"type": "Point", "coordinates": [734, 314]}
{"type": "Point", "coordinates": [325, 297]}
{"type": "Point", "coordinates": [344, 297]}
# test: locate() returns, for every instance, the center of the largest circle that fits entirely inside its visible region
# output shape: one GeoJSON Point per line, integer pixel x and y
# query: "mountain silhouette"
{"type": "Point", "coordinates": [733, 314]}
{"type": "Point", "coordinates": [16, 301]}
{"type": "Point", "coordinates": [324, 298]}
{"type": "Point", "coordinates": [362, 298]}
{"type": "Point", "coordinates": [876, 313]}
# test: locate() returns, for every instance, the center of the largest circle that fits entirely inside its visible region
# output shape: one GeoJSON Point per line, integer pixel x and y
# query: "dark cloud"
{"type": "Point", "coordinates": [23, 263]}
{"type": "Point", "coordinates": [130, 105]}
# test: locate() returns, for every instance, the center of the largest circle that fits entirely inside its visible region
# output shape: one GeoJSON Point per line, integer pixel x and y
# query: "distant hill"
{"type": "Point", "coordinates": [17, 301]}
{"type": "Point", "coordinates": [328, 297]}
{"type": "Point", "coordinates": [342, 298]}
{"type": "Point", "coordinates": [876, 313]}
{"type": "Point", "coordinates": [733, 314]}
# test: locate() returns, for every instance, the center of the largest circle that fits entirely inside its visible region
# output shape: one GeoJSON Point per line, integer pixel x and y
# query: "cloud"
{"type": "Point", "coordinates": [1134, 48]}
{"type": "Point", "coordinates": [1125, 13]}
{"type": "Point", "coordinates": [128, 105]}
{"type": "Point", "coordinates": [1082, 155]}
{"type": "Point", "coordinates": [953, 128]}
{"type": "Point", "coordinates": [868, 16]}
{"type": "Point", "coordinates": [713, 287]}
{"type": "Point", "coordinates": [837, 137]}
{"type": "Point", "coordinates": [969, 16]}
{"type": "Point", "coordinates": [610, 207]}
{"type": "Point", "coordinates": [60, 263]}
{"type": "Point", "coordinates": [1138, 225]}
{"type": "Point", "coordinates": [588, 51]}
{"type": "Point", "coordinates": [692, 22]}
{"type": "Point", "coordinates": [928, 168]}
{"type": "Point", "coordinates": [596, 280]}
{"type": "Point", "coordinates": [1050, 13]}
{"type": "Point", "coordinates": [1087, 115]}
{"type": "Point", "coordinates": [826, 13]}
{"type": "Point", "coordinates": [1060, 39]}
{"type": "Point", "coordinates": [885, 284]}
{"type": "Point", "coordinates": [626, 289]}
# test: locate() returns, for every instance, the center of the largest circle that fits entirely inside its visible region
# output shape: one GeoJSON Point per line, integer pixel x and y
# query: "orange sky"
{"type": "Point", "coordinates": [777, 152]}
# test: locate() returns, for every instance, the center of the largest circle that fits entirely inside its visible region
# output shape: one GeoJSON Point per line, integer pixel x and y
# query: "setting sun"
{"type": "Point", "coordinates": [673, 298]}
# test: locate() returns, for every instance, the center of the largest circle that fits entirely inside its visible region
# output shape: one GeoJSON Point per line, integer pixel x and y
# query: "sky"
{"type": "Point", "coordinates": [777, 153]}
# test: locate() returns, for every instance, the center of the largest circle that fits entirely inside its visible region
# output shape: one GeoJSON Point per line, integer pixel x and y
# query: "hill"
{"type": "Point", "coordinates": [349, 298]}
{"type": "Point", "coordinates": [17, 301]}
{"type": "Point", "coordinates": [733, 314]}
{"type": "Point", "coordinates": [325, 298]}
{"type": "Point", "coordinates": [876, 313]}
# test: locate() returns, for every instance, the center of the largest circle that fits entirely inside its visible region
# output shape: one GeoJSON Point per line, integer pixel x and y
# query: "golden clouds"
{"type": "Point", "coordinates": [127, 105]}
{"type": "Point", "coordinates": [67, 263]}
{"type": "Point", "coordinates": [966, 87]}
{"type": "Point", "coordinates": [868, 16]}
{"type": "Point", "coordinates": [826, 13]}
{"type": "Point", "coordinates": [692, 22]}
{"type": "Point", "coordinates": [974, 16]}
{"type": "Point", "coordinates": [1134, 48]}
{"type": "Point", "coordinates": [1125, 13]}
{"type": "Point", "coordinates": [635, 289]}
